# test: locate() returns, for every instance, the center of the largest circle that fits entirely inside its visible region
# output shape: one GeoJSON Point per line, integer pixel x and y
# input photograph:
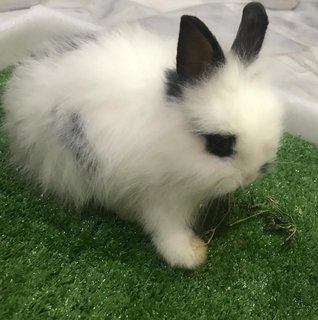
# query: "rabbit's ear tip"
{"type": "Point", "coordinates": [198, 50]}
{"type": "Point", "coordinates": [250, 36]}
{"type": "Point", "coordinates": [255, 11]}
{"type": "Point", "coordinates": [254, 6]}
{"type": "Point", "coordinates": [187, 19]}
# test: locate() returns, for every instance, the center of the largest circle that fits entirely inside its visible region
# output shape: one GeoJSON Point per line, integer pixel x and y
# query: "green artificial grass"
{"type": "Point", "coordinates": [55, 264]}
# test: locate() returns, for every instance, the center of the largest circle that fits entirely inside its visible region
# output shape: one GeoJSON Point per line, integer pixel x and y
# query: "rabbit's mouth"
{"type": "Point", "coordinates": [249, 179]}
{"type": "Point", "coordinates": [252, 176]}
{"type": "Point", "coordinates": [227, 185]}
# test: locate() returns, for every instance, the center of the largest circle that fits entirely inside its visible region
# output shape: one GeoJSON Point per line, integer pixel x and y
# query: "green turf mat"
{"type": "Point", "coordinates": [55, 264]}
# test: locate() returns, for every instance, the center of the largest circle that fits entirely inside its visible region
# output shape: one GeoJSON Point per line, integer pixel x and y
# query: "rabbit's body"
{"type": "Point", "coordinates": [96, 123]}
{"type": "Point", "coordinates": [102, 93]}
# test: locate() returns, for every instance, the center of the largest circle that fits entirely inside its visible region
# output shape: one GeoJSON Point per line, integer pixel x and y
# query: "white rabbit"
{"type": "Point", "coordinates": [118, 121]}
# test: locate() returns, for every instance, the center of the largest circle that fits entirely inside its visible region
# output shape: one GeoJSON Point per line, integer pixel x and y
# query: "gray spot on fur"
{"type": "Point", "coordinates": [74, 138]}
{"type": "Point", "coordinates": [74, 42]}
{"type": "Point", "coordinates": [60, 46]}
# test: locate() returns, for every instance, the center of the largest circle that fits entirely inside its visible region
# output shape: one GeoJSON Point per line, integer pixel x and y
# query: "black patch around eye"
{"type": "Point", "coordinates": [220, 145]}
{"type": "Point", "coordinates": [173, 84]}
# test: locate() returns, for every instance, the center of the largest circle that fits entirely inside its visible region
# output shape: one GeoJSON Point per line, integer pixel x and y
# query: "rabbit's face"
{"type": "Point", "coordinates": [226, 100]}
{"type": "Point", "coordinates": [240, 118]}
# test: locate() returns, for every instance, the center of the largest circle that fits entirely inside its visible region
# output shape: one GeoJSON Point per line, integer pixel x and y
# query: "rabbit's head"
{"type": "Point", "coordinates": [226, 99]}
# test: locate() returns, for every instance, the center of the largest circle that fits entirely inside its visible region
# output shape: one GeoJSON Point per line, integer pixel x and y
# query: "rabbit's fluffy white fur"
{"type": "Point", "coordinates": [95, 123]}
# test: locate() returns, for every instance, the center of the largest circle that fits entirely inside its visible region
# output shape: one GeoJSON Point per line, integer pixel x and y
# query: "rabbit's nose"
{"type": "Point", "coordinates": [265, 168]}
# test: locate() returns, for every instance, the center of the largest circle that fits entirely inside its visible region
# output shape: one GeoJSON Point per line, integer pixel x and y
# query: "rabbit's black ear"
{"type": "Point", "coordinates": [251, 33]}
{"type": "Point", "coordinates": [198, 50]}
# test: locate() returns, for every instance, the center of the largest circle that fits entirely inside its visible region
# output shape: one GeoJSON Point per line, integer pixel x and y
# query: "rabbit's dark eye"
{"type": "Point", "coordinates": [220, 145]}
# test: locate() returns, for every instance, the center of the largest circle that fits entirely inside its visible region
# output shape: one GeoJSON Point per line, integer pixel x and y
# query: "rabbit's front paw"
{"type": "Point", "coordinates": [184, 252]}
